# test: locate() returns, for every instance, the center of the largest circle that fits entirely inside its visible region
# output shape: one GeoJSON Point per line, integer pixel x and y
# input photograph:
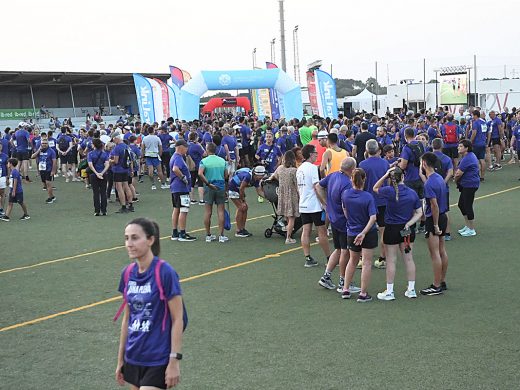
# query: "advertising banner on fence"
{"type": "Point", "coordinates": [16, 113]}
{"type": "Point", "coordinates": [145, 99]}
{"type": "Point", "coordinates": [326, 94]}
{"type": "Point", "coordinates": [311, 88]}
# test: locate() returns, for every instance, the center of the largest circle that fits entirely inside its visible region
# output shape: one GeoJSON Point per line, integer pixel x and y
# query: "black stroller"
{"type": "Point", "coordinates": [270, 188]}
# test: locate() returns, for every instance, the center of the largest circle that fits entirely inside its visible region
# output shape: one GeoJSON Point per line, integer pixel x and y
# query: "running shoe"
{"type": "Point", "coordinates": [96, 214]}
{"type": "Point", "coordinates": [193, 201]}
{"type": "Point", "coordinates": [463, 229]}
{"type": "Point", "coordinates": [50, 200]}
{"type": "Point", "coordinates": [421, 229]}
{"type": "Point", "coordinates": [223, 239]}
{"type": "Point", "coordinates": [211, 238]}
{"type": "Point", "coordinates": [2, 212]}
{"type": "Point", "coordinates": [469, 233]}
{"type": "Point", "coordinates": [154, 187]}
{"type": "Point", "coordinates": [498, 167]}
{"type": "Point", "coordinates": [491, 169]}
{"type": "Point", "coordinates": [104, 213]}
{"type": "Point", "coordinates": [447, 237]}
{"type": "Point", "coordinates": [122, 210]}
{"type": "Point", "coordinates": [410, 294]}
{"type": "Point", "coordinates": [432, 290]}
{"type": "Point", "coordinates": [131, 208]}
{"type": "Point", "coordinates": [341, 285]}
{"type": "Point", "coordinates": [310, 262]}
{"type": "Point", "coordinates": [5, 218]}
{"type": "Point", "coordinates": [174, 237]}
{"type": "Point", "coordinates": [444, 286]}
{"type": "Point", "coordinates": [354, 289]}
{"type": "Point", "coordinates": [345, 294]}
{"type": "Point", "coordinates": [380, 263]}
{"type": "Point", "coordinates": [135, 200]}
{"type": "Point", "coordinates": [326, 283]}
{"type": "Point", "coordinates": [386, 296]}
{"type": "Point", "coordinates": [201, 203]}
{"type": "Point", "coordinates": [186, 238]}
{"type": "Point", "coordinates": [24, 217]}
{"type": "Point", "coordinates": [290, 241]}
{"type": "Point", "coordinates": [364, 298]}
{"type": "Point", "coordinates": [164, 186]}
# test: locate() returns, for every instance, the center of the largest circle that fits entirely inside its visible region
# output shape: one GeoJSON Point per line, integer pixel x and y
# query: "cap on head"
{"type": "Point", "coordinates": [259, 170]}
{"type": "Point", "coordinates": [181, 142]}
{"type": "Point", "coordinates": [322, 134]}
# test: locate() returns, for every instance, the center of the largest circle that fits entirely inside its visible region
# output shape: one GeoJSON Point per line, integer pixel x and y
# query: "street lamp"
{"type": "Point", "coordinates": [273, 52]}
{"type": "Point", "coordinates": [296, 51]}
{"type": "Point", "coordinates": [254, 58]}
{"type": "Point", "coordinates": [372, 95]}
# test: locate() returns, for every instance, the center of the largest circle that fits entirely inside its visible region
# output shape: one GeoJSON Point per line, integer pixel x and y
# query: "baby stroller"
{"type": "Point", "coordinates": [270, 188]}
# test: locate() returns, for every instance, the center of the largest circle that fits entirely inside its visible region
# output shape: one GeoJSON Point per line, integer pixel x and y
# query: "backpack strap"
{"type": "Point", "coordinates": [126, 278]}
{"type": "Point", "coordinates": [162, 297]}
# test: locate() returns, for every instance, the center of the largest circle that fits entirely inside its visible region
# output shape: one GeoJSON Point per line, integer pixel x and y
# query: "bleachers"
{"type": "Point", "coordinates": [44, 123]}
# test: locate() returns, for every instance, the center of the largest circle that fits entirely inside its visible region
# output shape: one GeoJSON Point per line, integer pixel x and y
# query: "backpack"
{"type": "Point", "coordinates": [417, 151]}
{"type": "Point", "coordinates": [63, 143]}
{"type": "Point", "coordinates": [288, 143]}
{"type": "Point", "coordinates": [438, 168]}
{"type": "Point", "coordinates": [126, 278]}
{"type": "Point", "coordinates": [133, 158]}
{"type": "Point", "coordinates": [451, 134]}
{"type": "Point", "coordinates": [127, 158]}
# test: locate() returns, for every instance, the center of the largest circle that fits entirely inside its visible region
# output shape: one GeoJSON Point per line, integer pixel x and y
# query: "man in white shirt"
{"type": "Point", "coordinates": [310, 205]}
{"type": "Point", "coordinates": [151, 150]}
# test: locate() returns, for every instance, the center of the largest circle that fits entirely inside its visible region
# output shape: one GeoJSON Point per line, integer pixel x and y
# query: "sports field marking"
{"type": "Point", "coordinates": [62, 259]}
{"type": "Point", "coordinates": [188, 279]}
{"type": "Point", "coordinates": [194, 277]}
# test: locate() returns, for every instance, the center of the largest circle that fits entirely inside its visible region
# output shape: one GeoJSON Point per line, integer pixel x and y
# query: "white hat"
{"type": "Point", "coordinates": [236, 127]}
{"type": "Point", "coordinates": [105, 139]}
{"type": "Point", "coordinates": [259, 170]}
{"type": "Point", "coordinates": [322, 134]}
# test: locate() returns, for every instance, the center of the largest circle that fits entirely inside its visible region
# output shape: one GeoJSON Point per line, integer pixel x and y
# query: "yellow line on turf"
{"type": "Point", "coordinates": [60, 260]}
{"type": "Point", "coordinates": [188, 279]}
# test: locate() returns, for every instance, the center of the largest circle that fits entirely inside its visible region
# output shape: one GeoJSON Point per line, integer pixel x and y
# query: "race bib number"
{"type": "Point", "coordinates": [484, 128]}
{"type": "Point", "coordinates": [42, 165]}
{"type": "Point", "coordinates": [51, 144]}
{"type": "Point", "coordinates": [185, 201]}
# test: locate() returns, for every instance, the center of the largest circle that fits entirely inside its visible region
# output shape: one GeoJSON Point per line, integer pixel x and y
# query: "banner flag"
{"type": "Point", "coordinates": [326, 94]}
{"type": "Point", "coordinates": [165, 94]}
{"type": "Point", "coordinates": [177, 76]}
{"type": "Point", "coordinates": [145, 99]}
{"type": "Point", "coordinates": [311, 87]}
{"type": "Point", "coordinates": [274, 96]}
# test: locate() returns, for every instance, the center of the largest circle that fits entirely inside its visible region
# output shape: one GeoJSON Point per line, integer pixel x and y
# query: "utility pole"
{"type": "Point", "coordinates": [296, 55]}
{"type": "Point", "coordinates": [282, 35]}
{"type": "Point", "coordinates": [273, 51]}
{"type": "Point", "coordinates": [254, 58]}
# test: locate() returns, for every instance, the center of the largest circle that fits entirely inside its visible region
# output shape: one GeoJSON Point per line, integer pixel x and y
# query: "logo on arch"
{"type": "Point", "coordinates": [224, 79]}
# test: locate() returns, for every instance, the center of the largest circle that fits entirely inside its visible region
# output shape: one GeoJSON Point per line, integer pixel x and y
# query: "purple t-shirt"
{"type": "Point", "coordinates": [245, 133]}
{"type": "Point", "coordinates": [45, 158]}
{"type": "Point", "coordinates": [469, 164]}
{"type": "Point", "coordinates": [360, 207]}
{"type": "Point", "coordinates": [399, 211]}
{"type": "Point", "coordinates": [435, 188]}
{"type": "Point", "coordinates": [195, 151]}
{"type": "Point", "coordinates": [411, 172]}
{"type": "Point", "coordinates": [493, 125]}
{"type": "Point", "coordinates": [165, 141]}
{"type": "Point", "coordinates": [119, 150]}
{"type": "Point", "coordinates": [22, 140]}
{"type": "Point", "coordinates": [15, 174]}
{"type": "Point", "coordinates": [446, 164]}
{"type": "Point", "coordinates": [147, 344]}
{"type": "Point", "coordinates": [375, 168]}
{"type": "Point", "coordinates": [176, 184]}
{"type": "Point", "coordinates": [231, 143]}
{"type": "Point", "coordinates": [270, 155]}
{"type": "Point", "coordinates": [97, 158]}
{"type": "Point", "coordinates": [336, 183]}
{"type": "Point", "coordinates": [481, 128]}
{"type": "Point", "coordinates": [3, 164]}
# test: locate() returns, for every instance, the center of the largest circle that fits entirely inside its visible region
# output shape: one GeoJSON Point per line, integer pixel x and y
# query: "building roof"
{"type": "Point", "coordinates": [75, 78]}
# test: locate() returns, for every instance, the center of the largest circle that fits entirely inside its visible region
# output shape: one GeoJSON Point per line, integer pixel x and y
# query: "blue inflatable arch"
{"type": "Point", "coordinates": [240, 79]}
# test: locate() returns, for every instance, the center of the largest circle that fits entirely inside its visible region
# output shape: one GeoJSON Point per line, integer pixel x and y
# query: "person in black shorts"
{"type": "Point", "coordinates": [403, 210]}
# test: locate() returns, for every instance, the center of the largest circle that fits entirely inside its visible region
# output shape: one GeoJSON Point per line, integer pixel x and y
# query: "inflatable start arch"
{"type": "Point", "coordinates": [240, 79]}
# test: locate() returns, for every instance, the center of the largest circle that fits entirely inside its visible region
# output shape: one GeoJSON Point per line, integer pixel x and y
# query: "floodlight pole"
{"type": "Point", "coordinates": [296, 56]}
{"type": "Point", "coordinates": [254, 58]}
{"type": "Point", "coordinates": [273, 52]}
{"type": "Point", "coordinates": [72, 98]}
{"type": "Point", "coordinates": [32, 99]}
{"type": "Point", "coordinates": [108, 98]}
{"type": "Point", "coordinates": [282, 35]}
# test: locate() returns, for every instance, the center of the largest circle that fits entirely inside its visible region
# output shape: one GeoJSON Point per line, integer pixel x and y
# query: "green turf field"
{"type": "Point", "coordinates": [265, 324]}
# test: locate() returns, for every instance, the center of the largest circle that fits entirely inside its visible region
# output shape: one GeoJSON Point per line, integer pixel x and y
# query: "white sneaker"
{"type": "Point", "coordinates": [386, 296]}
{"type": "Point", "coordinates": [223, 239]}
{"type": "Point", "coordinates": [112, 192]}
{"type": "Point", "coordinates": [463, 229]}
{"type": "Point", "coordinates": [410, 294]}
{"type": "Point", "coordinates": [154, 187]}
{"type": "Point", "coordinates": [290, 241]}
{"type": "Point", "coordinates": [354, 289]}
{"type": "Point", "coordinates": [211, 238]}
{"type": "Point", "coordinates": [164, 186]}
{"type": "Point", "coordinates": [469, 233]}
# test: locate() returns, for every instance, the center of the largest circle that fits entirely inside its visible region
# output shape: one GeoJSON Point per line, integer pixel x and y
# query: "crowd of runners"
{"type": "Point", "coordinates": [372, 183]}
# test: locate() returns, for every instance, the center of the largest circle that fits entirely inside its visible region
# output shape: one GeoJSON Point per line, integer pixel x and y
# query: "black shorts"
{"type": "Point", "coordinates": [121, 177]}
{"type": "Point", "coordinates": [443, 225]}
{"type": "Point", "coordinates": [380, 217]}
{"type": "Point", "coordinates": [67, 159]}
{"type": "Point", "coordinates": [195, 179]}
{"type": "Point", "coordinates": [22, 156]}
{"type": "Point", "coordinates": [45, 176]}
{"type": "Point", "coordinates": [73, 157]}
{"type": "Point", "coordinates": [176, 200]}
{"type": "Point", "coordinates": [494, 141]}
{"type": "Point", "coordinates": [245, 151]}
{"type": "Point", "coordinates": [339, 239]}
{"type": "Point", "coordinates": [313, 218]}
{"type": "Point", "coordinates": [145, 376]}
{"type": "Point", "coordinates": [130, 179]}
{"type": "Point", "coordinates": [417, 186]}
{"type": "Point", "coordinates": [480, 152]}
{"type": "Point", "coordinates": [17, 198]}
{"type": "Point", "coordinates": [370, 242]}
{"type": "Point", "coordinates": [451, 152]}
{"type": "Point", "coordinates": [392, 234]}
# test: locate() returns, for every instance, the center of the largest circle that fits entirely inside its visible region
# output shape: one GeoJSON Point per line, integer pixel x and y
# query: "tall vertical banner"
{"type": "Point", "coordinates": [145, 99]}
{"type": "Point", "coordinates": [273, 96]}
{"type": "Point", "coordinates": [326, 94]}
{"type": "Point", "coordinates": [158, 100]}
{"type": "Point", "coordinates": [173, 96]}
{"type": "Point", "coordinates": [311, 88]}
{"type": "Point", "coordinates": [177, 76]}
{"type": "Point", "coordinates": [165, 97]}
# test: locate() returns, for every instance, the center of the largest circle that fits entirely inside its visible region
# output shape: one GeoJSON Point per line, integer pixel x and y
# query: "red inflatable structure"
{"type": "Point", "coordinates": [239, 101]}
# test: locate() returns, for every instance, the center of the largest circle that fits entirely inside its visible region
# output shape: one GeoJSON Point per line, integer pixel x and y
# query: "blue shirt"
{"type": "Point", "coordinates": [207, 138]}
{"type": "Point", "coordinates": [176, 184]}
{"type": "Point", "coordinates": [385, 140]}
{"type": "Point", "coordinates": [221, 152]}
{"type": "Point", "coordinates": [360, 207]}
{"type": "Point", "coordinates": [3, 164]}
{"type": "Point", "coordinates": [285, 143]}
{"type": "Point", "coordinates": [516, 133]}
{"type": "Point", "coordinates": [22, 140]}
{"type": "Point", "coordinates": [457, 130]}
{"type": "Point", "coordinates": [231, 143]}
{"type": "Point", "coordinates": [147, 344]}
{"type": "Point", "coordinates": [493, 125]}
{"type": "Point", "coordinates": [481, 128]}
{"type": "Point", "coordinates": [469, 164]}
{"type": "Point", "coordinates": [270, 155]}
{"type": "Point", "coordinates": [446, 164]}
{"type": "Point", "coordinates": [98, 159]}
{"type": "Point", "coordinates": [137, 150]}
{"type": "Point", "coordinates": [245, 133]}
{"type": "Point", "coordinates": [435, 188]}
{"type": "Point", "coordinates": [411, 172]}
{"type": "Point", "coordinates": [372, 128]}
{"type": "Point", "coordinates": [375, 168]}
{"type": "Point", "coordinates": [336, 183]}
{"type": "Point", "coordinates": [45, 158]}
{"type": "Point", "coordinates": [400, 211]}
{"type": "Point", "coordinates": [195, 151]}
{"type": "Point", "coordinates": [243, 174]}
{"type": "Point", "coordinates": [15, 174]}
{"type": "Point", "coordinates": [119, 150]}
{"type": "Point", "coordinates": [165, 140]}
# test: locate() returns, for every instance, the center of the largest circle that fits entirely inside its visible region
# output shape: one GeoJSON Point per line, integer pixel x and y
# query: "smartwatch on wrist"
{"type": "Point", "coordinates": [177, 356]}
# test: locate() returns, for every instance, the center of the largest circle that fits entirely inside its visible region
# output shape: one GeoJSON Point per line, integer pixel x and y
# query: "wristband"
{"type": "Point", "coordinates": [177, 356]}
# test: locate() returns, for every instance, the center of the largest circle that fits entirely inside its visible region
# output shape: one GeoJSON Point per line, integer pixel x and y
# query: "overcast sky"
{"type": "Point", "coordinates": [147, 36]}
